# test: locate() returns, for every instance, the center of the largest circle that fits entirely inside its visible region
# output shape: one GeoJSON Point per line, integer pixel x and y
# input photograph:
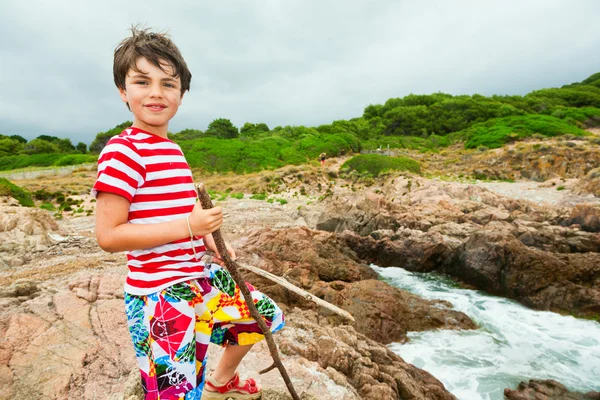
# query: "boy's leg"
{"type": "Point", "coordinates": [234, 327]}
{"type": "Point", "coordinates": [162, 327]}
{"type": "Point", "coordinates": [230, 359]}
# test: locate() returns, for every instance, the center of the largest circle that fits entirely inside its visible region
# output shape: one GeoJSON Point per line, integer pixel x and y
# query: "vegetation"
{"type": "Point", "coordinates": [426, 123]}
{"type": "Point", "coordinates": [7, 188]}
{"type": "Point", "coordinates": [44, 160]}
{"type": "Point", "coordinates": [374, 164]}
{"type": "Point", "coordinates": [498, 131]}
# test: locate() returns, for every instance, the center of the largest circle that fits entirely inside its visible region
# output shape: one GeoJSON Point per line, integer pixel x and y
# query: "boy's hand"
{"type": "Point", "coordinates": [209, 242]}
{"type": "Point", "coordinates": [203, 221]}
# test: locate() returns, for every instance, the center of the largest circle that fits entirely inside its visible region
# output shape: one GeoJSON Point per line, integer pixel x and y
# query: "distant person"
{"type": "Point", "coordinates": [146, 204]}
{"type": "Point", "coordinates": [322, 157]}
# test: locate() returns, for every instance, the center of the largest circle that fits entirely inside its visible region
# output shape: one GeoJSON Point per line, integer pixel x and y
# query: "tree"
{"type": "Point", "coordinates": [252, 130]}
{"type": "Point", "coordinates": [9, 146]}
{"type": "Point", "coordinates": [103, 137]}
{"type": "Point", "coordinates": [48, 138]}
{"type": "Point", "coordinates": [18, 138]}
{"type": "Point", "coordinates": [187, 134]}
{"type": "Point", "coordinates": [39, 146]}
{"type": "Point", "coordinates": [81, 147]}
{"type": "Point", "coordinates": [65, 145]}
{"type": "Point", "coordinates": [222, 128]}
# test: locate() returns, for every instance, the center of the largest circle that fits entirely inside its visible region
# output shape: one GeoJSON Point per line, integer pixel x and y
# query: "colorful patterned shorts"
{"type": "Point", "coordinates": [171, 330]}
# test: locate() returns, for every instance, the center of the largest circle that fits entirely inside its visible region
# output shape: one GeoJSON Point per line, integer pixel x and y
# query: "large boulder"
{"type": "Point", "coordinates": [323, 264]}
{"type": "Point", "coordinates": [374, 370]}
{"type": "Point", "coordinates": [502, 265]}
{"type": "Point", "coordinates": [585, 215]}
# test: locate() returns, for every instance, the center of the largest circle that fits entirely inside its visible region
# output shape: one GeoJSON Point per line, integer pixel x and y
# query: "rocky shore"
{"type": "Point", "coordinates": [544, 256]}
{"type": "Point", "coordinates": [63, 331]}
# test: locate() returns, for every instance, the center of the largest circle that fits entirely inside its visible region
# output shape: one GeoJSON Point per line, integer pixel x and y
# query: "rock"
{"type": "Point", "coordinates": [409, 249]}
{"type": "Point", "coordinates": [327, 267]}
{"type": "Point", "coordinates": [19, 288]}
{"type": "Point", "coordinates": [133, 386]}
{"type": "Point", "coordinates": [585, 215]}
{"type": "Point", "coordinates": [502, 265]}
{"type": "Point", "coordinates": [546, 390]}
{"type": "Point", "coordinates": [386, 314]}
{"type": "Point", "coordinates": [375, 371]}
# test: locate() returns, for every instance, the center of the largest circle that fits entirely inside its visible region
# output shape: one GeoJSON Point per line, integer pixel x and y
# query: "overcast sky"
{"type": "Point", "coordinates": [288, 62]}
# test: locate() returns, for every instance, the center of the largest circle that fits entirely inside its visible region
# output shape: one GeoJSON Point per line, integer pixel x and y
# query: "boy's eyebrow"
{"type": "Point", "coordinates": [142, 75]}
{"type": "Point", "coordinates": [139, 75]}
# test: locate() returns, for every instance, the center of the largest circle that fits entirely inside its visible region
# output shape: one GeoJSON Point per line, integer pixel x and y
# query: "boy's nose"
{"type": "Point", "coordinates": [156, 91]}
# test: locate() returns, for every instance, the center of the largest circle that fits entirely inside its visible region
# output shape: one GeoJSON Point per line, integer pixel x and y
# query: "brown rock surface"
{"type": "Point", "coordinates": [63, 331]}
{"type": "Point", "coordinates": [546, 390]}
{"type": "Point", "coordinates": [546, 257]}
{"type": "Point", "coordinates": [326, 266]}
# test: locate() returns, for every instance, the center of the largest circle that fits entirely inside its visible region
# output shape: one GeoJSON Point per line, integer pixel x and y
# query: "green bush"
{"type": "Point", "coordinates": [75, 159]}
{"type": "Point", "coordinates": [44, 160]}
{"type": "Point", "coordinates": [375, 164]}
{"type": "Point", "coordinates": [7, 188]}
{"type": "Point", "coordinates": [48, 206]}
{"type": "Point", "coordinates": [496, 132]}
{"type": "Point", "coordinates": [282, 201]}
{"type": "Point", "coordinates": [258, 196]}
{"type": "Point", "coordinates": [238, 196]}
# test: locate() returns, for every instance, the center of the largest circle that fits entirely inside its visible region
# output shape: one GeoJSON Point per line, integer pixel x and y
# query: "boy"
{"type": "Point", "coordinates": [146, 204]}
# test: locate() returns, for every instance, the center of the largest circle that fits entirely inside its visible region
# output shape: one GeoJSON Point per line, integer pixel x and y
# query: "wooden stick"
{"type": "Point", "coordinates": [233, 267]}
{"type": "Point", "coordinates": [293, 288]}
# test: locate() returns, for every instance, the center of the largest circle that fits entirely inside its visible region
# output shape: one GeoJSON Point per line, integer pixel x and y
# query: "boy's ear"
{"type": "Point", "coordinates": [123, 94]}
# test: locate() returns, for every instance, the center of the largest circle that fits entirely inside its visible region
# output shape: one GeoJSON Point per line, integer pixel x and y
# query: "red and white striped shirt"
{"type": "Point", "coordinates": [152, 174]}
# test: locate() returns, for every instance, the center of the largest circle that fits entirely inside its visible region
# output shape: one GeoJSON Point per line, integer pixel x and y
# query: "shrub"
{"type": "Point", "coordinates": [375, 164]}
{"type": "Point", "coordinates": [258, 196]}
{"type": "Point", "coordinates": [7, 188]}
{"type": "Point", "coordinates": [48, 206]}
{"type": "Point", "coordinates": [237, 195]}
{"type": "Point", "coordinates": [496, 132]}
{"type": "Point", "coordinates": [282, 201]}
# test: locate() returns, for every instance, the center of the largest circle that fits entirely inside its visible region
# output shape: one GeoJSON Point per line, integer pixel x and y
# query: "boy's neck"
{"type": "Point", "coordinates": [155, 130]}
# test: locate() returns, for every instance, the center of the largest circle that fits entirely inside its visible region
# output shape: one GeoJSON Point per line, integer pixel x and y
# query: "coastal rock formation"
{"type": "Point", "coordinates": [375, 371]}
{"type": "Point", "coordinates": [24, 233]}
{"type": "Point", "coordinates": [323, 264]}
{"type": "Point", "coordinates": [590, 184]}
{"type": "Point", "coordinates": [546, 257]}
{"type": "Point", "coordinates": [67, 343]}
{"type": "Point", "coordinates": [546, 390]}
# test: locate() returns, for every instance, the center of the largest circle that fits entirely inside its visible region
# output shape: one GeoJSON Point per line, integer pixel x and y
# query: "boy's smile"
{"type": "Point", "coordinates": [153, 95]}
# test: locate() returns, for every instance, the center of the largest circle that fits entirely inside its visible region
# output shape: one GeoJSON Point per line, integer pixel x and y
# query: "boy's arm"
{"type": "Point", "coordinates": [115, 234]}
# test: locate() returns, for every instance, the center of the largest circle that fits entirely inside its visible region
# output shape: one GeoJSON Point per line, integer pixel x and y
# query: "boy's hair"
{"type": "Point", "coordinates": [154, 47]}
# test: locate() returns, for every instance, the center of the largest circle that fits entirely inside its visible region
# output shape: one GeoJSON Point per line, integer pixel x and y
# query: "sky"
{"type": "Point", "coordinates": [288, 62]}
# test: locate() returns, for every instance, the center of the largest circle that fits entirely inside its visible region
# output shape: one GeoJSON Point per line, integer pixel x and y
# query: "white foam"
{"type": "Point", "coordinates": [513, 343]}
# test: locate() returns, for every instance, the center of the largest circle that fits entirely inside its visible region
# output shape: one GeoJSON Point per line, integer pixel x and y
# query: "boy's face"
{"type": "Point", "coordinates": [153, 96]}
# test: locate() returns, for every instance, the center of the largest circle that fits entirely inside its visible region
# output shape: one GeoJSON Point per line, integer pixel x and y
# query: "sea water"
{"type": "Point", "coordinates": [513, 343]}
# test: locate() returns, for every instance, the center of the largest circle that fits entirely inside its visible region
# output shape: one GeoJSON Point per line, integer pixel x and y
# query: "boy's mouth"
{"type": "Point", "coordinates": [155, 106]}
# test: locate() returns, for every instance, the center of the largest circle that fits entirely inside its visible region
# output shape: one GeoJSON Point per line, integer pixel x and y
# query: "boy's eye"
{"type": "Point", "coordinates": [169, 85]}
{"type": "Point", "coordinates": [141, 83]}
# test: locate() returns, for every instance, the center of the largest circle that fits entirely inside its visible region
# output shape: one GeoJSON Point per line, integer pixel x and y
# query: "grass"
{"type": "Point", "coordinates": [7, 188]}
{"type": "Point", "coordinates": [44, 160]}
{"type": "Point", "coordinates": [496, 132]}
{"type": "Point", "coordinates": [375, 164]}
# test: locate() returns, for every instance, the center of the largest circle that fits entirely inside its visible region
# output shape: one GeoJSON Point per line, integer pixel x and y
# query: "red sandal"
{"type": "Point", "coordinates": [234, 389]}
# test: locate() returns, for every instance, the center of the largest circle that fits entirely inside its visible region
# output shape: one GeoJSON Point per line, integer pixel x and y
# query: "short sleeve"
{"type": "Point", "coordinates": [121, 169]}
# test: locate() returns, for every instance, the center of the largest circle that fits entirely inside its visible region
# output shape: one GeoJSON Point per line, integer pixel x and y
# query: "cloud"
{"type": "Point", "coordinates": [285, 62]}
